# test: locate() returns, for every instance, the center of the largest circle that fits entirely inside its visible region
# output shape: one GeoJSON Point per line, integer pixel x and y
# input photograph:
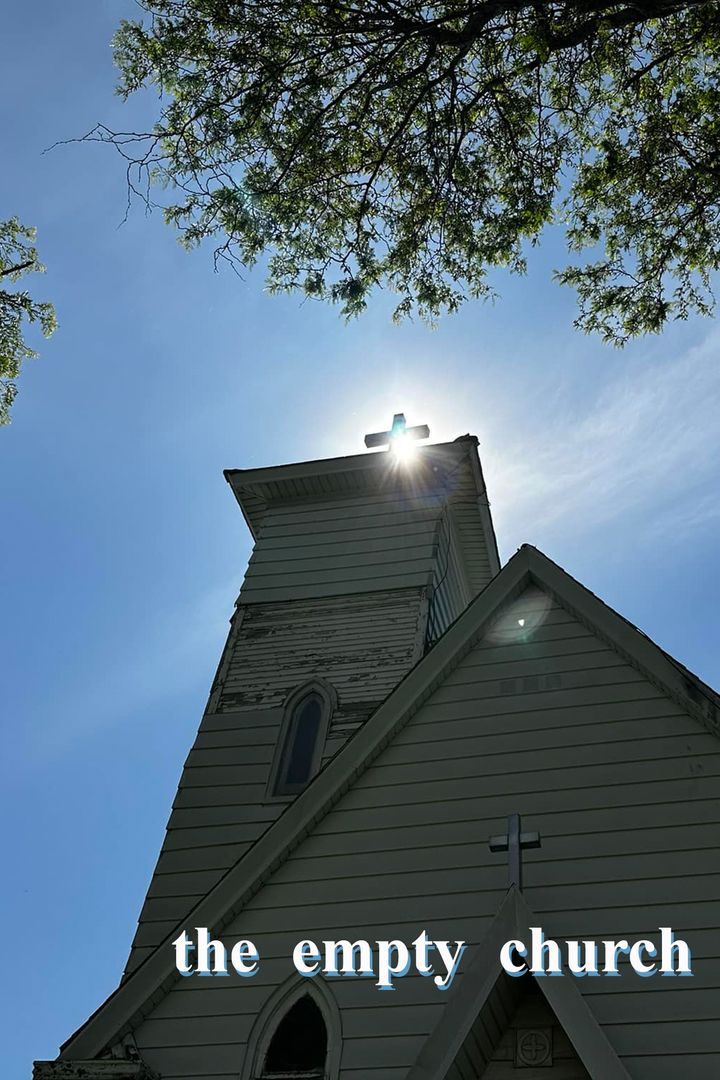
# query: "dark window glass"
{"type": "Point", "coordinates": [300, 1042]}
{"type": "Point", "coordinates": [303, 736]}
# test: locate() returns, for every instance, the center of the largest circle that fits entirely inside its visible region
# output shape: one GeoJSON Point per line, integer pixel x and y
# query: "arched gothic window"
{"type": "Point", "coordinates": [298, 1047]}
{"type": "Point", "coordinates": [297, 1035]}
{"type": "Point", "coordinates": [302, 738]}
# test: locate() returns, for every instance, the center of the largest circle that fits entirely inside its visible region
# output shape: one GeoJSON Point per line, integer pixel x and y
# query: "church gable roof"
{"type": "Point", "coordinates": [481, 991]}
{"type": "Point", "coordinates": [528, 568]}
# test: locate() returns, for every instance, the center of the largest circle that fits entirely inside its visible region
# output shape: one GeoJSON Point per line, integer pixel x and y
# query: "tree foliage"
{"type": "Point", "coordinates": [390, 142]}
{"type": "Point", "coordinates": [17, 258]}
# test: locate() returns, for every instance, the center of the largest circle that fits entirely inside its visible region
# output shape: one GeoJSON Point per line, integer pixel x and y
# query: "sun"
{"type": "Point", "coordinates": [404, 447]}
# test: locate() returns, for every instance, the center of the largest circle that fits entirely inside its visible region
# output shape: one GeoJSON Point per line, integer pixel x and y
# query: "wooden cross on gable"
{"type": "Point", "coordinates": [514, 842]}
{"type": "Point", "coordinates": [398, 432]}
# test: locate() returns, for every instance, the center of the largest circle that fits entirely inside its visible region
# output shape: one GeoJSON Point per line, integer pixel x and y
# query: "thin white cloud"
{"type": "Point", "coordinates": [645, 451]}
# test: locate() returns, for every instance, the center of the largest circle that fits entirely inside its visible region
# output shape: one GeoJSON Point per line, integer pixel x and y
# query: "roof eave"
{"type": "Point", "coordinates": [380, 465]}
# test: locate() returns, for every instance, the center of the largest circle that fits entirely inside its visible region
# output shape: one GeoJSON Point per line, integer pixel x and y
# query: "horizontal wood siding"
{"type": "Point", "coordinates": [197, 852]}
{"type": "Point", "coordinates": [469, 529]}
{"type": "Point", "coordinates": [362, 644]}
{"type": "Point", "coordinates": [340, 546]}
{"type": "Point", "coordinates": [450, 590]}
{"type": "Point", "coordinates": [543, 719]}
{"type": "Point", "coordinates": [365, 542]}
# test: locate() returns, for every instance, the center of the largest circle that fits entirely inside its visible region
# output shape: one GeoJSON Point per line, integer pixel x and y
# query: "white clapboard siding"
{"type": "Point", "coordinates": [343, 565]}
{"type": "Point", "coordinates": [363, 646]}
{"type": "Point", "coordinates": [624, 788]}
{"type": "Point", "coordinates": [451, 589]}
{"type": "Point", "coordinates": [196, 853]}
{"type": "Point", "coordinates": [336, 589]}
{"type": "Point", "coordinates": [350, 543]}
{"type": "Point", "coordinates": [469, 530]}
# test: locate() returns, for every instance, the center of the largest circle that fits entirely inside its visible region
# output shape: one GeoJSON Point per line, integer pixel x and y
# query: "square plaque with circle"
{"type": "Point", "coordinates": [533, 1048]}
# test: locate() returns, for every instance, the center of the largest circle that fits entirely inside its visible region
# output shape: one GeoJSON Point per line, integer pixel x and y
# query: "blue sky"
{"type": "Point", "coordinates": [123, 549]}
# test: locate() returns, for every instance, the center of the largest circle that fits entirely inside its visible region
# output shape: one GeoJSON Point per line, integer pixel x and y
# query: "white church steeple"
{"type": "Point", "coordinates": [359, 564]}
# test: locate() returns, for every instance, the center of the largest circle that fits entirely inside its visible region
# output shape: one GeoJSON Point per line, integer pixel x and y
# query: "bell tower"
{"type": "Point", "coordinates": [359, 564]}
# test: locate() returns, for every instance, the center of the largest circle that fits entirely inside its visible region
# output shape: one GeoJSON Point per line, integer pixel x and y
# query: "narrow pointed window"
{"type": "Point", "coordinates": [298, 1048]}
{"type": "Point", "coordinates": [304, 736]}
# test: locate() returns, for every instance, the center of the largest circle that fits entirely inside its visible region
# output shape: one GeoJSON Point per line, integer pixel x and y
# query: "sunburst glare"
{"type": "Point", "coordinates": [404, 447]}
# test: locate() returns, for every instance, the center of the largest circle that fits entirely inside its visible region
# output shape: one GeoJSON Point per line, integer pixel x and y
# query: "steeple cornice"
{"type": "Point", "coordinates": [381, 472]}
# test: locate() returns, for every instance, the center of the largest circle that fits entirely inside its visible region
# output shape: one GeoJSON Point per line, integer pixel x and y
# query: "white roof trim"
{"type": "Point", "coordinates": [255, 488]}
{"type": "Point", "coordinates": [135, 997]}
{"type": "Point", "coordinates": [483, 503]}
{"type": "Point", "coordinates": [562, 994]}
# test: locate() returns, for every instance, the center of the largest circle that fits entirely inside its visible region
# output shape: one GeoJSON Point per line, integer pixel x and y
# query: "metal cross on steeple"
{"type": "Point", "coordinates": [399, 430]}
{"type": "Point", "coordinates": [514, 843]}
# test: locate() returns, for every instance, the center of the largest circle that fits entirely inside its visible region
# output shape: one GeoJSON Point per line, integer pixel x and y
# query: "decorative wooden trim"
{"type": "Point", "coordinates": [476, 985]}
{"type": "Point", "coordinates": [254, 489]}
{"type": "Point", "coordinates": [108, 1069]}
{"type": "Point", "coordinates": [562, 994]}
{"type": "Point", "coordinates": [483, 504]}
{"type": "Point", "coordinates": [455, 545]}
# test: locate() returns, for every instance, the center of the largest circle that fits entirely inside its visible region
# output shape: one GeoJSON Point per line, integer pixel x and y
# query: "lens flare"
{"type": "Point", "coordinates": [519, 619]}
{"type": "Point", "coordinates": [403, 447]}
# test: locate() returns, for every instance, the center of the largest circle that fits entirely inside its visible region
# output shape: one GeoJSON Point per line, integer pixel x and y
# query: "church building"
{"type": "Point", "coordinates": [408, 746]}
